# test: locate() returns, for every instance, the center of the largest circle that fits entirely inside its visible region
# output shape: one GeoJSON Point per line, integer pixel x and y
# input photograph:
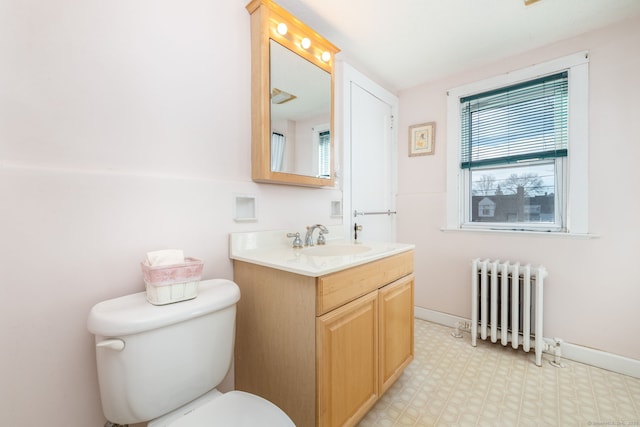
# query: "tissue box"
{"type": "Point", "coordinates": [166, 284]}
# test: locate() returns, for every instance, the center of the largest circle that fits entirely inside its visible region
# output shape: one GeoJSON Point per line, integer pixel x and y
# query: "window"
{"type": "Point", "coordinates": [513, 146]}
{"type": "Point", "coordinates": [519, 144]}
{"type": "Point", "coordinates": [321, 135]}
{"type": "Point", "coordinates": [324, 154]}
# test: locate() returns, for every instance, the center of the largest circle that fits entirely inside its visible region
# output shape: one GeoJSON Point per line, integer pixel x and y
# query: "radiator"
{"type": "Point", "coordinates": [506, 304]}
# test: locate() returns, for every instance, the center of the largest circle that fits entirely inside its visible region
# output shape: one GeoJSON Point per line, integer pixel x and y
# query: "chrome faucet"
{"type": "Point", "coordinates": [308, 238]}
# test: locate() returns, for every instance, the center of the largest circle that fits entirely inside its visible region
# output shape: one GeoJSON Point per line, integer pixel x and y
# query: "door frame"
{"type": "Point", "coordinates": [346, 75]}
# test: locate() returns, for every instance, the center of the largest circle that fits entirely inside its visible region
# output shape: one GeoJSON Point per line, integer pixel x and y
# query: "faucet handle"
{"type": "Point", "coordinates": [297, 241]}
{"type": "Point", "coordinates": [321, 239]}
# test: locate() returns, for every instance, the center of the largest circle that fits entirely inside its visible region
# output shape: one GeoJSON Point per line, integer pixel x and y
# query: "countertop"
{"type": "Point", "coordinates": [273, 249]}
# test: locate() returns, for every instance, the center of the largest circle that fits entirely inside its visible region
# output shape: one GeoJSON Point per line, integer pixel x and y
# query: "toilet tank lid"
{"type": "Point", "coordinates": [132, 314]}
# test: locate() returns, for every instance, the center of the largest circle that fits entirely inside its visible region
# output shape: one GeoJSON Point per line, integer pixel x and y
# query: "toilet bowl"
{"type": "Point", "coordinates": [162, 364]}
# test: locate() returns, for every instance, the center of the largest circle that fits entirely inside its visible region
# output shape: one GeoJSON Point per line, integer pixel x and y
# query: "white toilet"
{"type": "Point", "coordinates": [161, 364]}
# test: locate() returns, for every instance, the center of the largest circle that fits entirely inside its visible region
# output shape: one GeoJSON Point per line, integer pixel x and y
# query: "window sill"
{"type": "Point", "coordinates": [528, 233]}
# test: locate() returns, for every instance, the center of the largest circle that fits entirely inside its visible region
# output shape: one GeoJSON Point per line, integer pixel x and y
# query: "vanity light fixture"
{"type": "Point", "coordinates": [326, 56]}
{"type": "Point", "coordinates": [282, 28]}
{"type": "Point", "coordinates": [306, 43]}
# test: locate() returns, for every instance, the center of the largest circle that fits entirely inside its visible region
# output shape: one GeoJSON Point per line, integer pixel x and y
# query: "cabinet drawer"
{"type": "Point", "coordinates": [341, 287]}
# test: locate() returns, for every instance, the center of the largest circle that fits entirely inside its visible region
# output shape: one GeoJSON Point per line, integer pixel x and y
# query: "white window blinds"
{"type": "Point", "coordinates": [521, 122]}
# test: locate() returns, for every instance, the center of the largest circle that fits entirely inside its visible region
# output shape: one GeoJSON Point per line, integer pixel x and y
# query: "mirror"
{"type": "Point", "coordinates": [291, 99]}
{"type": "Point", "coordinates": [300, 114]}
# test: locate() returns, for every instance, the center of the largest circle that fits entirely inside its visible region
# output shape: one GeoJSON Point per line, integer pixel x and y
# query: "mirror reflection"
{"type": "Point", "coordinates": [300, 114]}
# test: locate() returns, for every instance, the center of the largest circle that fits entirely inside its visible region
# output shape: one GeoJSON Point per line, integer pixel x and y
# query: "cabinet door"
{"type": "Point", "coordinates": [347, 361]}
{"type": "Point", "coordinates": [396, 330]}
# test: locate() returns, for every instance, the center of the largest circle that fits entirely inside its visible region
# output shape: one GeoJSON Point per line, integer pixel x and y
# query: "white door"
{"type": "Point", "coordinates": [373, 165]}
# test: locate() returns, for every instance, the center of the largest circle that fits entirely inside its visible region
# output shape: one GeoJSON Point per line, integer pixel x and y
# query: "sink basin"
{"type": "Point", "coordinates": [336, 250]}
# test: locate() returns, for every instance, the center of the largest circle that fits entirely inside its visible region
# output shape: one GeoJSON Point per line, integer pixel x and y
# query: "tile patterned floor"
{"type": "Point", "coordinates": [451, 383]}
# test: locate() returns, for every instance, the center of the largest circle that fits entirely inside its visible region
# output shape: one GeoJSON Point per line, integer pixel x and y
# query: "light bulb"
{"type": "Point", "coordinates": [282, 28]}
{"type": "Point", "coordinates": [306, 43]}
{"type": "Point", "coordinates": [326, 56]}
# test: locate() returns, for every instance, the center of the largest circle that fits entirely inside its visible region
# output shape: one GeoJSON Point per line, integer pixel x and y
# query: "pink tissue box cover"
{"type": "Point", "coordinates": [163, 275]}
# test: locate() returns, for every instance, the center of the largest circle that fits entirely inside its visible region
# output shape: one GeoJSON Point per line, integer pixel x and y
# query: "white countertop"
{"type": "Point", "coordinates": [273, 249]}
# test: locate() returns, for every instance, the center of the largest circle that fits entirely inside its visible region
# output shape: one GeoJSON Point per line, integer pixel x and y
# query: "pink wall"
{"type": "Point", "coordinates": [124, 128]}
{"type": "Point", "coordinates": [593, 288]}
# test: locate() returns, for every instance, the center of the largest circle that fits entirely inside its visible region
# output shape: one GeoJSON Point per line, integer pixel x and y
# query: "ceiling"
{"type": "Point", "coordinates": [403, 43]}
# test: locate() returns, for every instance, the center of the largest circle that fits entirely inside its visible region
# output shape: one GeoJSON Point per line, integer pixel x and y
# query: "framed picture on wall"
{"type": "Point", "coordinates": [422, 139]}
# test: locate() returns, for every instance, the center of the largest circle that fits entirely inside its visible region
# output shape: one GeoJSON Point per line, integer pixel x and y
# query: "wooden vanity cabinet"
{"type": "Point", "coordinates": [324, 349]}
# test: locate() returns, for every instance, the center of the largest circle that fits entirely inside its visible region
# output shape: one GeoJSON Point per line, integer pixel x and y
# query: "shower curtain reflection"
{"type": "Point", "coordinates": [277, 151]}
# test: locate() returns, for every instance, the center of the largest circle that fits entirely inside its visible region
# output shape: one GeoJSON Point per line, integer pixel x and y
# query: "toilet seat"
{"type": "Point", "coordinates": [232, 409]}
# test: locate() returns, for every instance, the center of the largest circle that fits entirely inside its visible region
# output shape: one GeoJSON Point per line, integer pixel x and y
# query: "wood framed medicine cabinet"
{"type": "Point", "coordinates": [292, 82]}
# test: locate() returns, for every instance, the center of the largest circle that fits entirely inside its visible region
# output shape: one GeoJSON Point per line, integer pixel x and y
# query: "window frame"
{"type": "Point", "coordinates": [574, 201]}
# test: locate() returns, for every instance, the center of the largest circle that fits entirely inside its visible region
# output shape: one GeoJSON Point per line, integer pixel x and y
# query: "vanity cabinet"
{"type": "Point", "coordinates": [324, 349]}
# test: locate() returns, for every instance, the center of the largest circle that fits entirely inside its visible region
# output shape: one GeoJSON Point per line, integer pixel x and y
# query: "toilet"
{"type": "Point", "coordinates": [162, 364]}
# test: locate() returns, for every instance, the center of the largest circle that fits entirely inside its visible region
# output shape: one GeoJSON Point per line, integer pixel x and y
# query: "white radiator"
{"type": "Point", "coordinates": [506, 308]}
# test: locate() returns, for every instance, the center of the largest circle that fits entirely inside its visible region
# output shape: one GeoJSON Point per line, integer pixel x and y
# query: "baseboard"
{"type": "Point", "coordinates": [438, 317]}
{"type": "Point", "coordinates": [600, 359]}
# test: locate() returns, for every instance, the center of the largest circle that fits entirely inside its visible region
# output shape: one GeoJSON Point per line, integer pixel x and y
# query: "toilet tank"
{"type": "Point", "coordinates": [153, 359]}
